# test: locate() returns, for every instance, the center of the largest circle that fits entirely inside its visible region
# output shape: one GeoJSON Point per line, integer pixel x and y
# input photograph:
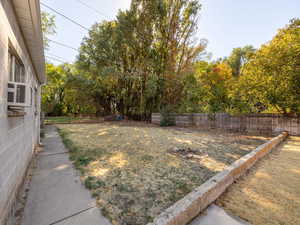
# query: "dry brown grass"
{"type": "Point", "coordinates": [270, 193]}
{"type": "Point", "coordinates": [132, 172]}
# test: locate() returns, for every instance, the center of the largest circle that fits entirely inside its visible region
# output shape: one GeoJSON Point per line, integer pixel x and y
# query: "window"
{"type": "Point", "coordinates": [31, 96]}
{"type": "Point", "coordinates": [35, 101]}
{"type": "Point", "coordinates": [16, 95]}
{"type": "Point", "coordinates": [16, 69]}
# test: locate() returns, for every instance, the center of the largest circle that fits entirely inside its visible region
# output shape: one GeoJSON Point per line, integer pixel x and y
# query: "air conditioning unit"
{"type": "Point", "coordinates": [16, 95]}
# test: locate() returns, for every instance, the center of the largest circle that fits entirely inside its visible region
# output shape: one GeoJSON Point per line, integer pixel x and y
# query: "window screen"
{"type": "Point", "coordinates": [10, 66]}
{"type": "Point", "coordinates": [16, 69]}
{"type": "Point", "coordinates": [20, 97]}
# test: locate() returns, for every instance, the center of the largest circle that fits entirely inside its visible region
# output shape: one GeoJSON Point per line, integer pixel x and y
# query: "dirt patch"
{"type": "Point", "coordinates": [136, 170]}
{"type": "Point", "coordinates": [270, 193]}
{"type": "Point", "coordinates": [188, 153]}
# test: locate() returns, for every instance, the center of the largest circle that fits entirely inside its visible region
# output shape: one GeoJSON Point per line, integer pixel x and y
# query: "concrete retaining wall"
{"type": "Point", "coordinates": [254, 123]}
{"type": "Point", "coordinates": [183, 211]}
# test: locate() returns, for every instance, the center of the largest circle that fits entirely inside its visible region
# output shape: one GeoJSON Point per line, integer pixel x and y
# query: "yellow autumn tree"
{"type": "Point", "coordinates": [272, 77]}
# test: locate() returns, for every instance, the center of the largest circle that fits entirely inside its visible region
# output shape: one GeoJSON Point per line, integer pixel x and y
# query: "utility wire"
{"type": "Point", "coordinates": [78, 24]}
{"type": "Point", "coordinates": [58, 60]}
{"type": "Point", "coordinates": [66, 17]}
{"type": "Point", "coordinates": [92, 8]}
{"type": "Point", "coordinates": [64, 45]}
{"type": "Point", "coordinates": [56, 56]}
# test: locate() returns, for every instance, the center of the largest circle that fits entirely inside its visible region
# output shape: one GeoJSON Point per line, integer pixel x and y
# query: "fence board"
{"type": "Point", "coordinates": [255, 123]}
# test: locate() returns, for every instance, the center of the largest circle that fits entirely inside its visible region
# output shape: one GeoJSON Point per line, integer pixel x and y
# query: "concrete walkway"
{"type": "Point", "coordinates": [215, 215]}
{"type": "Point", "coordinates": [56, 195]}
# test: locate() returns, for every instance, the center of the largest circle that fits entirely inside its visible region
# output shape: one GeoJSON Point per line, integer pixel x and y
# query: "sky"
{"type": "Point", "coordinates": [226, 24]}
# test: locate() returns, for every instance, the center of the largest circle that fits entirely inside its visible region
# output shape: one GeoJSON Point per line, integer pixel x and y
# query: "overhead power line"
{"type": "Point", "coordinates": [64, 16]}
{"type": "Point", "coordinates": [56, 56]}
{"type": "Point", "coordinates": [58, 60]}
{"type": "Point", "coordinates": [92, 8]}
{"type": "Point", "coordinates": [64, 45]}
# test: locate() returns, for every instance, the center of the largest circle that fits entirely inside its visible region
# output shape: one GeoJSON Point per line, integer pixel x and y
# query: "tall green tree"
{"type": "Point", "coordinates": [272, 77]}
{"type": "Point", "coordinates": [143, 55]}
{"type": "Point", "coordinates": [239, 57]}
{"type": "Point", "coordinates": [54, 92]}
{"type": "Point", "coordinates": [67, 92]}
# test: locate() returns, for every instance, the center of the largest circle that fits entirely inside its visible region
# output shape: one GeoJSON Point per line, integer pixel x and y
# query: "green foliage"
{"type": "Point", "coordinates": [249, 81]}
{"type": "Point", "coordinates": [238, 58]}
{"type": "Point", "coordinates": [272, 76]}
{"type": "Point", "coordinates": [193, 94]}
{"type": "Point", "coordinates": [146, 61]}
{"type": "Point", "coordinates": [48, 27]}
{"type": "Point", "coordinates": [53, 92]}
{"type": "Point", "coordinates": [135, 64]}
{"type": "Point", "coordinates": [83, 160]}
{"type": "Point", "coordinates": [167, 116]}
{"type": "Point", "coordinates": [65, 92]}
{"type": "Point", "coordinates": [67, 142]}
{"type": "Point", "coordinates": [207, 88]}
{"type": "Point", "coordinates": [93, 183]}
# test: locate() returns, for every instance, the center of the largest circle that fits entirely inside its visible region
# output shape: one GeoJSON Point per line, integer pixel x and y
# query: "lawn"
{"type": "Point", "coordinates": [67, 119]}
{"type": "Point", "coordinates": [270, 193]}
{"type": "Point", "coordinates": [136, 170]}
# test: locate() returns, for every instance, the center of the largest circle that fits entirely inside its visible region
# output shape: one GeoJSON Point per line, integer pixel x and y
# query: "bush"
{"type": "Point", "coordinates": [167, 117]}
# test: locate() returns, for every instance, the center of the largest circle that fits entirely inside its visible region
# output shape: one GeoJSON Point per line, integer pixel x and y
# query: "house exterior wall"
{"type": "Point", "coordinates": [18, 135]}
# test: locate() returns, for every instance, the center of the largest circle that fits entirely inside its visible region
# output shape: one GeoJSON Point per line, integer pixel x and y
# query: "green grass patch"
{"type": "Point", "coordinates": [66, 119]}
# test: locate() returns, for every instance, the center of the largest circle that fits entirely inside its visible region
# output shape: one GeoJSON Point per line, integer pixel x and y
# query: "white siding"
{"type": "Point", "coordinates": [18, 135]}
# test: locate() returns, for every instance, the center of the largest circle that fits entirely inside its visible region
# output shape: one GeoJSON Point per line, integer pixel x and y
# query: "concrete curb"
{"type": "Point", "coordinates": [183, 211]}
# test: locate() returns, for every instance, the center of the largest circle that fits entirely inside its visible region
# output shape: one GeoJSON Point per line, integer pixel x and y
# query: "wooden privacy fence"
{"type": "Point", "coordinates": [254, 123]}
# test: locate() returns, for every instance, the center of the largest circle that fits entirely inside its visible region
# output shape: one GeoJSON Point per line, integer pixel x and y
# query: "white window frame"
{"type": "Point", "coordinates": [17, 83]}
{"type": "Point", "coordinates": [13, 61]}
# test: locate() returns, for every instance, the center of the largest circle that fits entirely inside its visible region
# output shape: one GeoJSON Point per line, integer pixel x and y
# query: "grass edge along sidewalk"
{"type": "Point", "coordinates": [71, 120]}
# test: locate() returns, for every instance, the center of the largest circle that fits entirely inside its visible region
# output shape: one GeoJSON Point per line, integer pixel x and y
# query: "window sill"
{"type": "Point", "coordinates": [15, 114]}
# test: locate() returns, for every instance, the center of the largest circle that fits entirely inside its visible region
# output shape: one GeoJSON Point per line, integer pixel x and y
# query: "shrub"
{"type": "Point", "coordinates": [167, 117]}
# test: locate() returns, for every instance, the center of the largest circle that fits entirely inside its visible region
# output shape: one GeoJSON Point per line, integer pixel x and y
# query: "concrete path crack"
{"type": "Point", "coordinates": [56, 197]}
{"type": "Point", "coordinates": [75, 214]}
